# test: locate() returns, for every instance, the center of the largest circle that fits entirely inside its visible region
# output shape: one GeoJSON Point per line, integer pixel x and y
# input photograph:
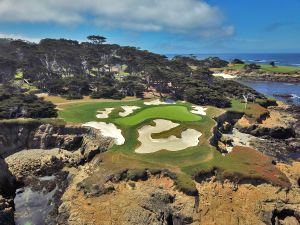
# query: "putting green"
{"type": "Point", "coordinates": [176, 113]}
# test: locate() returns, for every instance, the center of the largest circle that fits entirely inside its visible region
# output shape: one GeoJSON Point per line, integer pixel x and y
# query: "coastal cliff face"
{"type": "Point", "coordinates": [22, 167]}
{"type": "Point", "coordinates": [88, 189]}
{"type": "Point", "coordinates": [154, 200]}
{"type": "Point", "coordinates": [278, 135]}
{"type": "Point", "coordinates": [15, 137]}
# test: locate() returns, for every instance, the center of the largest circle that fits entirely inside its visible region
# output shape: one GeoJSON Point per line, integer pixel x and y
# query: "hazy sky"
{"type": "Point", "coordinates": [163, 26]}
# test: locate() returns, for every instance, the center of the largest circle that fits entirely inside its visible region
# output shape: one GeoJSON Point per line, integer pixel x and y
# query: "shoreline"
{"type": "Point", "coordinates": [259, 76]}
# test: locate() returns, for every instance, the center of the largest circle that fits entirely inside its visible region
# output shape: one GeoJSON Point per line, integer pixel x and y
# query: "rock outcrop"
{"type": "Point", "coordinates": [228, 204]}
{"type": "Point", "coordinates": [15, 137]}
{"type": "Point", "coordinates": [7, 192]}
{"type": "Point", "coordinates": [278, 135]}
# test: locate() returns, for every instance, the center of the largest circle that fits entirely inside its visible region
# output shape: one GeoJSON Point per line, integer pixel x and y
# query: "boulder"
{"type": "Point", "coordinates": [7, 180]}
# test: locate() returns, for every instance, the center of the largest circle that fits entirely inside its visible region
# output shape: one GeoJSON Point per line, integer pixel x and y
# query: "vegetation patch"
{"type": "Point", "coordinates": [253, 111]}
{"type": "Point", "coordinates": [242, 164]}
{"type": "Point", "coordinates": [176, 131]}
{"type": "Point", "coordinates": [15, 104]}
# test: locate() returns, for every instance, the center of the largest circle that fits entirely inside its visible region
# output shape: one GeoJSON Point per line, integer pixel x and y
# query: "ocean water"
{"type": "Point", "coordinates": [283, 59]}
{"type": "Point", "coordinates": [269, 88]}
{"type": "Point", "coordinates": [266, 87]}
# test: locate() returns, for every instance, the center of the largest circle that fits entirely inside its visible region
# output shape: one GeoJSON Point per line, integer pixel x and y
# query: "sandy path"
{"type": "Point", "coordinates": [103, 114]}
{"type": "Point", "coordinates": [108, 130]}
{"type": "Point", "coordinates": [189, 138]}
{"type": "Point", "coordinates": [224, 75]}
{"type": "Point", "coordinates": [128, 110]}
{"type": "Point", "coordinates": [158, 102]}
{"type": "Point", "coordinates": [199, 110]}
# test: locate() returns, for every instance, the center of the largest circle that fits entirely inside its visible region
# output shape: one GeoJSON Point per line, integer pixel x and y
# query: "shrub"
{"type": "Point", "coordinates": [14, 104]}
{"type": "Point", "coordinates": [252, 66]}
{"type": "Point", "coordinates": [237, 61]}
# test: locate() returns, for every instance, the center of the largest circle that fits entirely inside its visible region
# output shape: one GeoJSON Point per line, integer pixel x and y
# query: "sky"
{"type": "Point", "coordinates": [161, 26]}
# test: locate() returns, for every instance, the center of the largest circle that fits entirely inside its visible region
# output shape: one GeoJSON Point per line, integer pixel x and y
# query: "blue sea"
{"type": "Point", "coordinates": [282, 59]}
{"type": "Point", "coordinates": [267, 87]}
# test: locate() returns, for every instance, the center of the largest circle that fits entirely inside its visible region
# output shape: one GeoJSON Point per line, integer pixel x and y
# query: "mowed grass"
{"type": "Point", "coordinates": [86, 112]}
{"type": "Point", "coordinates": [280, 69]}
{"type": "Point", "coordinates": [264, 67]}
{"type": "Point", "coordinates": [83, 112]}
{"type": "Point", "coordinates": [177, 113]}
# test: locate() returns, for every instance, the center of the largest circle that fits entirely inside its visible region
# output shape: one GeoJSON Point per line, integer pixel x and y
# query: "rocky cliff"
{"type": "Point", "coordinates": [26, 167]}
{"type": "Point", "coordinates": [15, 137]}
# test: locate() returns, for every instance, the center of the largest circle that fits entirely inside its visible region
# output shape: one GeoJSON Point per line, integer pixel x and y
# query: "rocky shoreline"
{"type": "Point", "coordinates": [277, 135]}
{"type": "Point", "coordinates": [258, 75]}
{"type": "Point", "coordinates": [82, 187]}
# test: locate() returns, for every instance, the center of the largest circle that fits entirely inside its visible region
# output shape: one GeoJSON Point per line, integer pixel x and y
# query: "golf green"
{"type": "Point", "coordinates": [175, 113]}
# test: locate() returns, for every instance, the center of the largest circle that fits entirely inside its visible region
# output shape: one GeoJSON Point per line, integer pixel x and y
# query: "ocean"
{"type": "Point", "coordinates": [282, 59]}
{"type": "Point", "coordinates": [266, 87]}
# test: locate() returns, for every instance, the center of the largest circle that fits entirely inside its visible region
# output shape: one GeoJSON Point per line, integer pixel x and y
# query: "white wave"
{"type": "Point", "coordinates": [295, 96]}
{"type": "Point", "coordinates": [296, 64]}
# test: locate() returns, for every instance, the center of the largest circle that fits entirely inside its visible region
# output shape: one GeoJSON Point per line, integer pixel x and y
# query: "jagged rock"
{"type": "Point", "coordinates": [7, 191]}
{"type": "Point", "coordinates": [222, 147]}
{"type": "Point", "coordinates": [15, 137]}
{"type": "Point", "coordinates": [7, 180]}
{"type": "Point", "coordinates": [226, 127]}
{"type": "Point", "coordinates": [6, 211]}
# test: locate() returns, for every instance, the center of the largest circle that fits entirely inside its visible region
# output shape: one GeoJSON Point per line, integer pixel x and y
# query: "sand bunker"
{"type": "Point", "coordinates": [224, 75]}
{"type": "Point", "coordinates": [108, 130]}
{"type": "Point", "coordinates": [128, 110]}
{"type": "Point", "coordinates": [189, 138]}
{"type": "Point", "coordinates": [103, 114]}
{"type": "Point", "coordinates": [199, 110]}
{"type": "Point", "coordinates": [158, 102]}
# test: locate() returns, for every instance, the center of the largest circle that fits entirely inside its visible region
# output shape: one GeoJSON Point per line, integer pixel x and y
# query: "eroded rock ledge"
{"type": "Point", "coordinates": [15, 137]}
{"type": "Point", "coordinates": [74, 146]}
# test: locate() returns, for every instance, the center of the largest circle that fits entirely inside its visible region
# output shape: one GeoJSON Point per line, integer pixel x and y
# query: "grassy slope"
{"type": "Point", "coordinates": [187, 163]}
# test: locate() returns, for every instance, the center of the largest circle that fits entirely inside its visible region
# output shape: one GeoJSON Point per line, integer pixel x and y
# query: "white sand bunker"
{"type": "Point", "coordinates": [199, 110]}
{"type": "Point", "coordinates": [158, 102]}
{"type": "Point", "coordinates": [189, 138]}
{"type": "Point", "coordinates": [103, 114]}
{"type": "Point", "coordinates": [108, 130]}
{"type": "Point", "coordinates": [224, 75]}
{"type": "Point", "coordinates": [128, 110]}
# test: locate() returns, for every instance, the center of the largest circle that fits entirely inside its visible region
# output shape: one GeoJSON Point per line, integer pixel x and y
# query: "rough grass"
{"type": "Point", "coordinates": [53, 121]}
{"type": "Point", "coordinates": [176, 131]}
{"type": "Point", "coordinates": [253, 110]}
{"type": "Point", "coordinates": [240, 165]}
{"type": "Point", "coordinates": [63, 102]}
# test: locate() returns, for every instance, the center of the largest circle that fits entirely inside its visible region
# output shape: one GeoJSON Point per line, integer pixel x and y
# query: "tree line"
{"type": "Point", "coordinates": [72, 69]}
